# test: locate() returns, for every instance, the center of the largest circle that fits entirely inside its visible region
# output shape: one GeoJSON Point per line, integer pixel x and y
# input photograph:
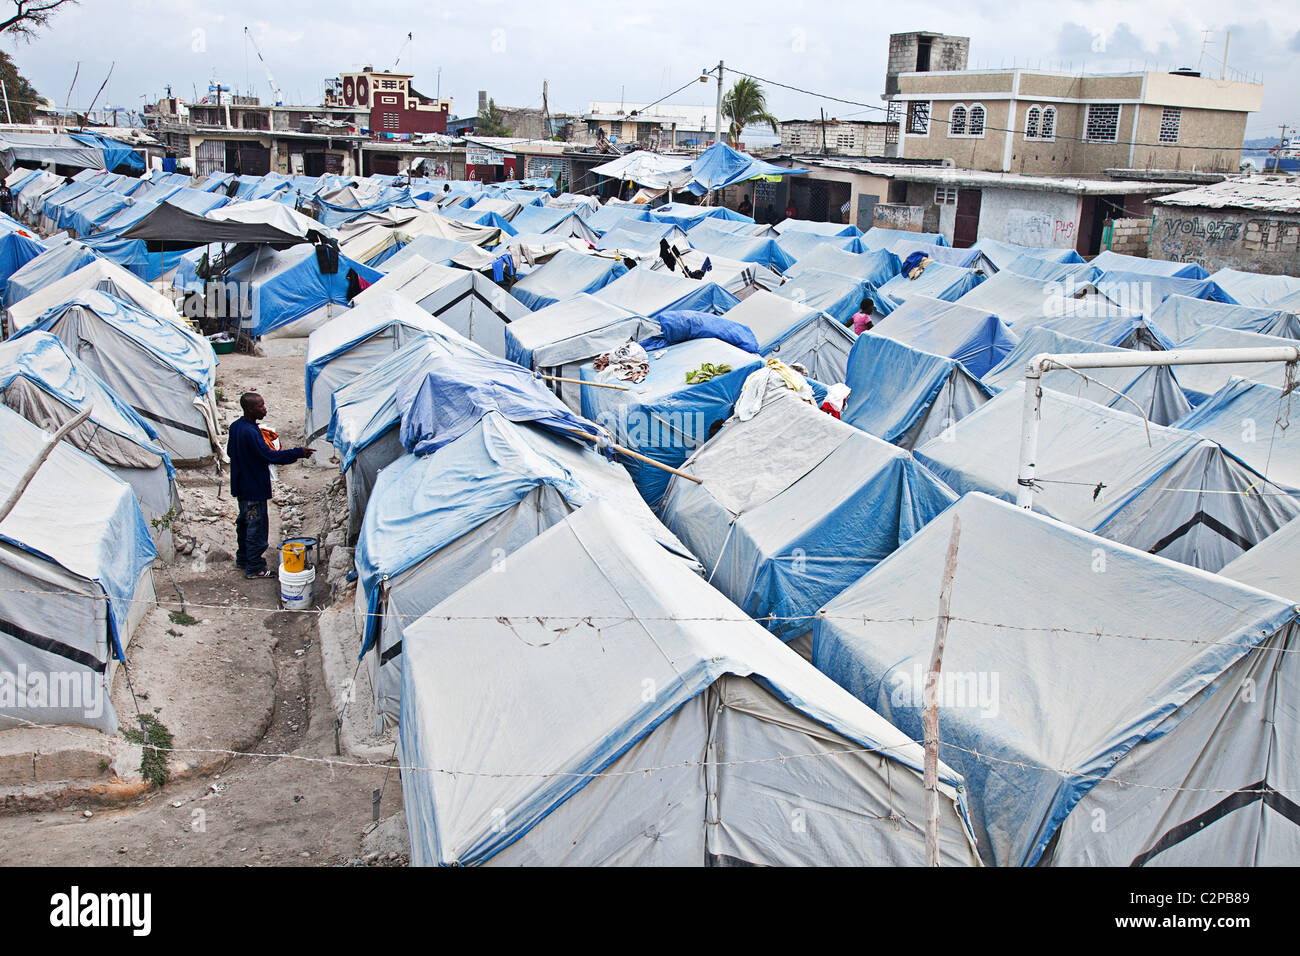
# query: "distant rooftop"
{"type": "Point", "coordinates": [1264, 193]}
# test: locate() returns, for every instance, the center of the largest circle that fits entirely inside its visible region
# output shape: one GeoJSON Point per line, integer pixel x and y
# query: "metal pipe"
{"type": "Point", "coordinates": [1045, 361]}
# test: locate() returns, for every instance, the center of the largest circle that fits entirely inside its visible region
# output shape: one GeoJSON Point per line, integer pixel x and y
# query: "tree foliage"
{"type": "Point", "coordinates": [21, 94]}
{"type": "Point", "coordinates": [745, 104]}
{"type": "Point", "coordinates": [491, 121]}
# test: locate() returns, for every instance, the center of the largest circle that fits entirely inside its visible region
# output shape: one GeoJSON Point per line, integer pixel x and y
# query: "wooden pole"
{"type": "Point", "coordinates": [39, 460]}
{"type": "Point", "coordinates": [639, 457]}
{"type": "Point", "coordinates": [930, 716]}
{"type": "Point", "coordinates": [578, 381]}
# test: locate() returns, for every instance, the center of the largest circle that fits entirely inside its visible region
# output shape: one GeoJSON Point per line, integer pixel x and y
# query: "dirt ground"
{"type": "Point", "coordinates": [241, 676]}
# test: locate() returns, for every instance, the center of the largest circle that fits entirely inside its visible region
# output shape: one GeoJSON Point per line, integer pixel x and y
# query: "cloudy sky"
{"type": "Point", "coordinates": [635, 51]}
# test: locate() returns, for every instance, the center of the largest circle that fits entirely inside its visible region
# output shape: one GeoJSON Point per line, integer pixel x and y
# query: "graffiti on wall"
{"type": "Point", "coordinates": [897, 216]}
{"type": "Point", "coordinates": [1209, 230]}
{"type": "Point", "coordinates": [1028, 227]}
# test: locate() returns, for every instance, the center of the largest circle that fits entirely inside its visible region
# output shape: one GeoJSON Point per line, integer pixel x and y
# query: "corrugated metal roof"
{"type": "Point", "coordinates": [1264, 193]}
{"type": "Point", "coordinates": [953, 176]}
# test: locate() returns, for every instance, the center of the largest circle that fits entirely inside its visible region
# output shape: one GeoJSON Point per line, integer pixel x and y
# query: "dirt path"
{"type": "Point", "coordinates": [260, 667]}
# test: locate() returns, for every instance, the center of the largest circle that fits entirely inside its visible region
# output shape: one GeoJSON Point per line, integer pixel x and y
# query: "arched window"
{"type": "Point", "coordinates": [976, 125]}
{"type": "Point", "coordinates": [957, 121]}
{"type": "Point", "coordinates": [1049, 123]}
{"type": "Point", "coordinates": [1032, 122]}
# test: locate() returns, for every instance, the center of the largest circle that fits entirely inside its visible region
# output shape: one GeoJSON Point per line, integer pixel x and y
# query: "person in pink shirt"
{"type": "Point", "coordinates": [862, 319]}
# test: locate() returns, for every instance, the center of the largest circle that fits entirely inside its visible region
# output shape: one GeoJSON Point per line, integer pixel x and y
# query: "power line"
{"type": "Point", "coordinates": [996, 129]}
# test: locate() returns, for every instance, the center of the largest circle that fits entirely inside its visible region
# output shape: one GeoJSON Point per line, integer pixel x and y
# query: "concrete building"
{"type": "Point", "coordinates": [1044, 123]}
{"type": "Point", "coordinates": [663, 126]}
{"type": "Point", "coordinates": [836, 137]}
{"type": "Point", "coordinates": [923, 53]}
{"type": "Point", "coordinates": [965, 204]}
{"type": "Point", "coordinates": [391, 104]}
{"type": "Point", "coordinates": [1250, 224]}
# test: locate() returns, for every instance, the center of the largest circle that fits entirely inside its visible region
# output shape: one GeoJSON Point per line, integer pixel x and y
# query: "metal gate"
{"type": "Point", "coordinates": [210, 157]}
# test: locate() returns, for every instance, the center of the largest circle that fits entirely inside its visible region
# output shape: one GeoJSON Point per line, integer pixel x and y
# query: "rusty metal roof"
{"type": "Point", "coordinates": [1262, 193]}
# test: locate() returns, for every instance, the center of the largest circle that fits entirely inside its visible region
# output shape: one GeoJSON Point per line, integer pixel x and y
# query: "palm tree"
{"type": "Point", "coordinates": [745, 104]}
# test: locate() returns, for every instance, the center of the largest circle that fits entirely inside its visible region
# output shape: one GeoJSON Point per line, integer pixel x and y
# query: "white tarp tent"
{"type": "Point", "coordinates": [693, 767]}
{"type": "Point", "coordinates": [1105, 707]}
{"type": "Point", "coordinates": [794, 332]}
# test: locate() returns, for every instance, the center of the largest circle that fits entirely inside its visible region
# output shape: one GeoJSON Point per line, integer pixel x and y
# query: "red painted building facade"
{"type": "Point", "coordinates": [395, 107]}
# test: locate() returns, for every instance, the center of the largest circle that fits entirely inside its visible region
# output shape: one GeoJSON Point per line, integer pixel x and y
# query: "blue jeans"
{"type": "Point", "coordinates": [251, 528]}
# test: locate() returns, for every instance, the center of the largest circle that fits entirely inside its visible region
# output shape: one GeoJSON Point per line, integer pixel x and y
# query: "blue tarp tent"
{"type": "Point", "coordinates": [878, 237]}
{"type": "Point", "coordinates": [662, 416]}
{"type": "Point", "coordinates": [1109, 261]}
{"type": "Point", "coordinates": [1256, 289]}
{"type": "Point", "coordinates": [794, 507]}
{"type": "Point", "coordinates": [642, 238]}
{"type": "Point", "coordinates": [688, 217]}
{"type": "Point", "coordinates": [765, 252]}
{"type": "Point", "coordinates": [938, 281]}
{"type": "Point", "coordinates": [58, 260]}
{"type": "Point", "coordinates": [480, 218]}
{"type": "Point", "coordinates": [796, 333]}
{"type": "Point", "coordinates": [566, 274]}
{"type": "Point", "coordinates": [732, 227]}
{"type": "Point", "coordinates": [288, 290]}
{"type": "Point", "coordinates": [16, 250]}
{"type": "Point", "coordinates": [1119, 328]}
{"type": "Point", "coordinates": [1248, 419]}
{"type": "Point", "coordinates": [1202, 381]}
{"type": "Point", "coordinates": [683, 325]}
{"type": "Point", "coordinates": [1153, 389]}
{"type": "Point", "coordinates": [1001, 253]}
{"type": "Point", "coordinates": [969, 258]}
{"type": "Point", "coordinates": [1179, 318]}
{"type": "Point", "coordinates": [648, 293]}
{"type": "Point", "coordinates": [1103, 708]}
{"type": "Point", "coordinates": [799, 244]}
{"type": "Point", "coordinates": [876, 267]}
{"type": "Point", "coordinates": [551, 221]}
{"type": "Point", "coordinates": [904, 395]}
{"type": "Point", "coordinates": [839, 296]}
{"type": "Point", "coordinates": [1151, 290]}
{"type": "Point", "coordinates": [611, 215]}
{"type": "Point", "coordinates": [433, 249]}
{"type": "Point", "coordinates": [975, 337]}
{"type": "Point", "coordinates": [1049, 271]}
{"type": "Point", "coordinates": [827, 229]}
{"type": "Point", "coordinates": [720, 166]}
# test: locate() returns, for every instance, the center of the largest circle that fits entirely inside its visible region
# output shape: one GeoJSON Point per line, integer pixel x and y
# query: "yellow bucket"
{"type": "Point", "coordinates": [293, 555]}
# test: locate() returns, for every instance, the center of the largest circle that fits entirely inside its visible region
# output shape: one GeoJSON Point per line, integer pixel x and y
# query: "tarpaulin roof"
{"type": "Point", "coordinates": [1047, 270]}
{"type": "Point", "coordinates": [839, 296]}
{"type": "Point", "coordinates": [16, 250]}
{"type": "Point", "coordinates": [287, 285]}
{"type": "Point", "coordinates": [648, 169]}
{"type": "Point", "coordinates": [662, 416]}
{"type": "Point", "coordinates": [796, 333]}
{"type": "Point", "coordinates": [1122, 329]}
{"type": "Point", "coordinates": [566, 274]}
{"type": "Point", "coordinates": [792, 480]}
{"type": "Point", "coordinates": [77, 514]}
{"type": "Point", "coordinates": [589, 745]}
{"type": "Point", "coordinates": [610, 215]}
{"type": "Point", "coordinates": [1000, 253]}
{"type": "Point", "coordinates": [1109, 261]}
{"type": "Point", "coordinates": [765, 252]}
{"type": "Point", "coordinates": [98, 274]}
{"type": "Point", "coordinates": [649, 293]}
{"type": "Point", "coordinates": [1019, 299]}
{"type": "Point", "coordinates": [876, 267]}
{"type": "Point", "coordinates": [1248, 418]}
{"type": "Point", "coordinates": [827, 229]}
{"type": "Point", "coordinates": [259, 221]}
{"type": "Point", "coordinates": [1273, 565]}
{"type": "Point", "coordinates": [1153, 389]}
{"type": "Point", "coordinates": [573, 330]}
{"type": "Point", "coordinates": [878, 237]}
{"type": "Point", "coordinates": [87, 150]}
{"type": "Point", "coordinates": [552, 221]}
{"type": "Point", "coordinates": [1179, 317]}
{"type": "Point", "coordinates": [905, 395]}
{"type": "Point", "coordinates": [1151, 290]}
{"type": "Point", "coordinates": [59, 259]}
{"type": "Point", "coordinates": [720, 166]}
{"type": "Point", "coordinates": [1255, 289]}
{"type": "Point", "coordinates": [975, 337]}
{"type": "Point", "coordinates": [938, 281]}
{"type": "Point", "coordinates": [453, 393]}
{"type": "Point", "coordinates": [688, 216]}
{"type": "Point", "coordinates": [1155, 488]}
{"type": "Point", "coordinates": [1202, 381]}
{"type": "Point", "coordinates": [1098, 686]}
{"type": "Point", "coordinates": [733, 227]}
{"type": "Point", "coordinates": [683, 325]}
{"type": "Point", "coordinates": [800, 244]}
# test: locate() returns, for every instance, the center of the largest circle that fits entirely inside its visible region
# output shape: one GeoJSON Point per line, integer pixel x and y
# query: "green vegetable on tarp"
{"type": "Point", "coordinates": [706, 372]}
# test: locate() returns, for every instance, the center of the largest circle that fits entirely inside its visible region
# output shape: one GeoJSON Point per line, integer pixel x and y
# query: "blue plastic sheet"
{"type": "Point", "coordinates": [566, 274]}
{"type": "Point", "coordinates": [974, 337]}
{"type": "Point", "coordinates": [682, 326]}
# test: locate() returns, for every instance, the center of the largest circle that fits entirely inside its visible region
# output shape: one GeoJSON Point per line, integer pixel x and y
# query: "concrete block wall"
{"type": "Point", "coordinates": [1130, 236]}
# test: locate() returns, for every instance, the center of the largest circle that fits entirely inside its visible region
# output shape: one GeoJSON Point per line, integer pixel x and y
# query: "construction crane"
{"type": "Point", "coordinates": [275, 90]}
{"type": "Point", "coordinates": [402, 51]}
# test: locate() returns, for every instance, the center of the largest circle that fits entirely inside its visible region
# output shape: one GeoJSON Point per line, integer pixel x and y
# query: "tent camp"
{"type": "Point", "coordinates": [435, 522]}
{"type": "Point", "coordinates": [588, 774]}
{"type": "Point", "coordinates": [1179, 317]}
{"type": "Point", "coordinates": [1163, 490]}
{"type": "Point", "coordinates": [1153, 391]}
{"type": "Point", "coordinates": [42, 381]}
{"type": "Point", "coordinates": [1070, 696]}
{"type": "Point", "coordinates": [1020, 301]}
{"type": "Point", "coordinates": [75, 580]}
{"type": "Point", "coordinates": [764, 251]}
{"type": "Point", "coordinates": [345, 347]}
{"type": "Point", "coordinates": [1001, 253]}
{"type": "Point", "coordinates": [1252, 421]}
{"type": "Point", "coordinates": [648, 293]}
{"type": "Point", "coordinates": [907, 396]}
{"type": "Point", "coordinates": [794, 507]}
{"type": "Point", "coordinates": [738, 278]}
{"type": "Point", "coordinates": [558, 339]}
{"type": "Point", "coordinates": [663, 416]}
{"type": "Point", "coordinates": [976, 338]}
{"type": "Point", "coordinates": [163, 370]}
{"type": "Point", "coordinates": [839, 296]}
{"type": "Point", "coordinates": [876, 267]}
{"type": "Point", "coordinates": [796, 333]}
{"type": "Point", "coordinates": [60, 258]}
{"type": "Point", "coordinates": [1109, 261]}
{"type": "Point", "coordinates": [1142, 291]}
{"type": "Point", "coordinates": [552, 221]}
{"type": "Point", "coordinates": [641, 239]}
{"type": "Point", "coordinates": [566, 274]}
{"type": "Point", "coordinates": [1273, 565]}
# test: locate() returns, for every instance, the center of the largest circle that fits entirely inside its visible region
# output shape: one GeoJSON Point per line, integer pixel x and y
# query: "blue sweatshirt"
{"type": "Point", "coordinates": [250, 461]}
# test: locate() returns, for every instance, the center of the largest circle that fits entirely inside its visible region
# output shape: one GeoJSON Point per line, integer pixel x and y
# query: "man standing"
{"type": "Point", "coordinates": [746, 207]}
{"type": "Point", "coordinates": [250, 483]}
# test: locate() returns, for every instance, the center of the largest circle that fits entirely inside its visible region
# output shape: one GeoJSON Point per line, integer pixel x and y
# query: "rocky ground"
{"type": "Point", "coordinates": [225, 671]}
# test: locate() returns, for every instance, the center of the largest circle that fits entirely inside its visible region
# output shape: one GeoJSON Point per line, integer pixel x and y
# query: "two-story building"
{"type": "Point", "coordinates": [241, 135]}
{"type": "Point", "coordinates": [834, 137]}
{"type": "Point", "coordinates": [393, 107]}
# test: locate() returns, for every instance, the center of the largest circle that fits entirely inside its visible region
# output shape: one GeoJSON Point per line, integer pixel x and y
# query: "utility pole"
{"type": "Point", "coordinates": [823, 131]}
{"type": "Point", "coordinates": [717, 115]}
{"type": "Point", "coordinates": [1227, 38]}
{"type": "Point", "coordinates": [546, 114]}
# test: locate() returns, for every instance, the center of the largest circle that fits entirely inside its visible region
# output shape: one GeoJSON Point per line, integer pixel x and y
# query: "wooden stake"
{"type": "Point", "coordinates": [640, 457]}
{"type": "Point", "coordinates": [930, 716]}
{"type": "Point", "coordinates": [39, 460]}
{"type": "Point", "coordinates": [578, 381]}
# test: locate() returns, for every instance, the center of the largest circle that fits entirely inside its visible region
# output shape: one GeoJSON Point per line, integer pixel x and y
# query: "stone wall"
{"type": "Point", "coordinates": [1250, 240]}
